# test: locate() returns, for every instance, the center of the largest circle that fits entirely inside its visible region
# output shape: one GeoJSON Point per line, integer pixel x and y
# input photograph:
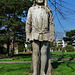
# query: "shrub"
{"type": "Point", "coordinates": [3, 50]}
{"type": "Point", "coordinates": [69, 48]}
{"type": "Point", "coordinates": [21, 47]}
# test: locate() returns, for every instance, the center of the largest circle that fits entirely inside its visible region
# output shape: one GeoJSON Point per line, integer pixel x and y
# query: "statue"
{"type": "Point", "coordinates": [40, 31]}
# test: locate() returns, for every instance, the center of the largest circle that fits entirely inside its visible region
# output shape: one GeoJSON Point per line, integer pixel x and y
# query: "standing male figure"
{"type": "Point", "coordinates": [40, 31]}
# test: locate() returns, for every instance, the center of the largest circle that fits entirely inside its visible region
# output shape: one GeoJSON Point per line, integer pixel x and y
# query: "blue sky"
{"type": "Point", "coordinates": [69, 24]}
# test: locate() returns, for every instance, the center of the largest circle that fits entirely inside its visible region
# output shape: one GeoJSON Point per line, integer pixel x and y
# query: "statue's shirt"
{"type": "Point", "coordinates": [37, 24]}
{"type": "Point", "coordinates": [39, 20]}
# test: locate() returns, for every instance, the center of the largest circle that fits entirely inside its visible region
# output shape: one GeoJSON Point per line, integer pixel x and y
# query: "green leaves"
{"type": "Point", "coordinates": [11, 14]}
{"type": "Point", "coordinates": [11, 24]}
{"type": "Point", "coordinates": [70, 37]}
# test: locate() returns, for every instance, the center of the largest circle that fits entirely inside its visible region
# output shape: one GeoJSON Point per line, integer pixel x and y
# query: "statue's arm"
{"type": "Point", "coordinates": [28, 26]}
{"type": "Point", "coordinates": [51, 27]}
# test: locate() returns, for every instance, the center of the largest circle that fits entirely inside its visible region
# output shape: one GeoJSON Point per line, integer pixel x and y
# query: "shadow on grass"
{"type": "Point", "coordinates": [19, 56]}
{"type": "Point", "coordinates": [60, 57]}
{"type": "Point", "coordinates": [70, 67]}
{"type": "Point", "coordinates": [55, 65]}
{"type": "Point", "coordinates": [72, 57]}
{"type": "Point", "coordinates": [23, 54]}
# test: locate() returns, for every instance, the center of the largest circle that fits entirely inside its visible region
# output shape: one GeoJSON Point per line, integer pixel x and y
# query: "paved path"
{"type": "Point", "coordinates": [15, 61]}
{"type": "Point", "coordinates": [61, 61]}
{"type": "Point", "coordinates": [30, 61]}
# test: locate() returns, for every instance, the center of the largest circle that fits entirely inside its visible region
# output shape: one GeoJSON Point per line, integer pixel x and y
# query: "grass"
{"type": "Point", "coordinates": [59, 53]}
{"type": "Point", "coordinates": [66, 54]}
{"type": "Point", "coordinates": [23, 68]}
{"type": "Point", "coordinates": [17, 58]}
{"type": "Point", "coordinates": [22, 57]}
{"type": "Point", "coordinates": [27, 57]}
{"type": "Point", "coordinates": [64, 68]}
{"type": "Point", "coordinates": [14, 69]}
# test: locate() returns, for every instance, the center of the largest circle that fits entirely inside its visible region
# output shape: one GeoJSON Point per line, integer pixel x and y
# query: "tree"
{"type": "Point", "coordinates": [21, 47]}
{"type": "Point", "coordinates": [70, 37]}
{"type": "Point", "coordinates": [12, 12]}
{"type": "Point", "coordinates": [69, 48]}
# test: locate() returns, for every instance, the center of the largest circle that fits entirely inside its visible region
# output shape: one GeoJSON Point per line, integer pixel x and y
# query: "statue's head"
{"type": "Point", "coordinates": [40, 1]}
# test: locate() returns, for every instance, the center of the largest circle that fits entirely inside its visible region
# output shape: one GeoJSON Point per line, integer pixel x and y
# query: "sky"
{"type": "Point", "coordinates": [67, 25]}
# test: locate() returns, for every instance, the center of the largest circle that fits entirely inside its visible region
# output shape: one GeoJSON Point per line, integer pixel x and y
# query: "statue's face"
{"type": "Point", "coordinates": [39, 1]}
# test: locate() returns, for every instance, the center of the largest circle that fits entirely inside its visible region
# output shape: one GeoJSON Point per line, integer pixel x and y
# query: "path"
{"type": "Point", "coordinates": [30, 61]}
{"type": "Point", "coordinates": [15, 61]}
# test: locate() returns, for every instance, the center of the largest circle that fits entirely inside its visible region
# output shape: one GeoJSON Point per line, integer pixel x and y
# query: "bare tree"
{"type": "Point", "coordinates": [61, 10]}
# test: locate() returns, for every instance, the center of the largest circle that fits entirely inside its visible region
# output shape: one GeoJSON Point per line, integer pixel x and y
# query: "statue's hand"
{"type": "Point", "coordinates": [52, 40]}
{"type": "Point", "coordinates": [27, 37]}
{"type": "Point", "coordinates": [27, 40]}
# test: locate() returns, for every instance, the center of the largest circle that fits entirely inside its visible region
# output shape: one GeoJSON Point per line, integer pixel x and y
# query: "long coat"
{"type": "Point", "coordinates": [39, 24]}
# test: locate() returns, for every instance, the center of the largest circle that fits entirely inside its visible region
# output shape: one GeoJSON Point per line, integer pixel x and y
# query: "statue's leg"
{"type": "Point", "coordinates": [44, 46]}
{"type": "Point", "coordinates": [35, 46]}
{"type": "Point", "coordinates": [49, 70]}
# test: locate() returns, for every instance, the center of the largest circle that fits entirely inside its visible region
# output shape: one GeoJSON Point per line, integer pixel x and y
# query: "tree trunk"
{"type": "Point", "coordinates": [12, 45]}
{"type": "Point", "coordinates": [8, 42]}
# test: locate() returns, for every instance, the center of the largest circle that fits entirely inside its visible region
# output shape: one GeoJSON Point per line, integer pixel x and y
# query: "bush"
{"type": "Point", "coordinates": [21, 47]}
{"type": "Point", "coordinates": [3, 50]}
{"type": "Point", "coordinates": [69, 48]}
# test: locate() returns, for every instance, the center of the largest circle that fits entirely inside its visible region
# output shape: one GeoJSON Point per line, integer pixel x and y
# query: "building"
{"type": "Point", "coordinates": [73, 44]}
{"type": "Point", "coordinates": [61, 42]}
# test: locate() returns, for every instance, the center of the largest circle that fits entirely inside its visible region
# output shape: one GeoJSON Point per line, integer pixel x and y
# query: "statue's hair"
{"type": "Point", "coordinates": [44, 3]}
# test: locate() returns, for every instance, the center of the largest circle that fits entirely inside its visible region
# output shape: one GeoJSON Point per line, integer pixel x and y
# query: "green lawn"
{"type": "Point", "coordinates": [66, 55]}
{"type": "Point", "coordinates": [23, 57]}
{"type": "Point", "coordinates": [26, 57]}
{"type": "Point", "coordinates": [22, 68]}
{"type": "Point", "coordinates": [64, 68]}
{"type": "Point", "coordinates": [59, 53]}
{"type": "Point", "coordinates": [14, 69]}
